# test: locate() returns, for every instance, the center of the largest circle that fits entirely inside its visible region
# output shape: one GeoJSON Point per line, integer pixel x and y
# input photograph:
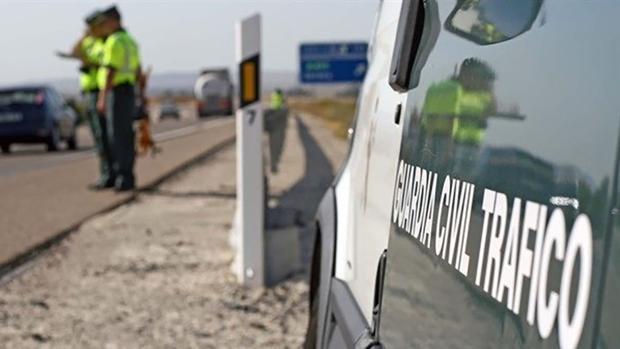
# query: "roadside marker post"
{"type": "Point", "coordinates": [250, 216]}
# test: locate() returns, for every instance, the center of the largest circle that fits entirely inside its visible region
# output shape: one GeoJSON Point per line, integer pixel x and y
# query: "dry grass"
{"type": "Point", "coordinates": [338, 113]}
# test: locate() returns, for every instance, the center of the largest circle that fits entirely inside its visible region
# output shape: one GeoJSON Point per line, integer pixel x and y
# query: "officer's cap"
{"type": "Point", "coordinates": [479, 66]}
{"type": "Point", "coordinates": [111, 12]}
{"type": "Point", "coordinates": [94, 18]}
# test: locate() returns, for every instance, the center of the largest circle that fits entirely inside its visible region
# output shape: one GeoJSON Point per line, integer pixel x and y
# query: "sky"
{"type": "Point", "coordinates": [174, 35]}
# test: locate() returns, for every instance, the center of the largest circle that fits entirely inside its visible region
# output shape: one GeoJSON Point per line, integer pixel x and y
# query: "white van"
{"type": "Point", "coordinates": [478, 203]}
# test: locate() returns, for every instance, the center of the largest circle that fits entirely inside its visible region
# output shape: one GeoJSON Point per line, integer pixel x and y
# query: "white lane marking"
{"type": "Point", "coordinates": [52, 160]}
{"type": "Point", "coordinates": [184, 131]}
{"type": "Point", "coordinates": [187, 130]}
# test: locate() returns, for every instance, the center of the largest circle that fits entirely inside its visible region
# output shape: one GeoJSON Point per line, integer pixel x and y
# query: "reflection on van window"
{"type": "Point", "coordinates": [491, 21]}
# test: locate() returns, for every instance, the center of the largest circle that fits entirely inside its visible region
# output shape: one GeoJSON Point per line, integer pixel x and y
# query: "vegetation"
{"type": "Point", "coordinates": [338, 113]}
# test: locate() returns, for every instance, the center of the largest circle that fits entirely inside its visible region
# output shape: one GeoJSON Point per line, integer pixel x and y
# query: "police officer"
{"type": "Point", "coordinates": [439, 117]}
{"type": "Point", "coordinates": [119, 74]}
{"type": "Point", "coordinates": [476, 105]}
{"type": "Point", "coordinates": [277, 99]}
{"type": "Point", "coordinates": [276, 123]}
{"type": "Point", "coordinates": [455, 113]}
{"type": "Point", "coordinates": [89, 51]}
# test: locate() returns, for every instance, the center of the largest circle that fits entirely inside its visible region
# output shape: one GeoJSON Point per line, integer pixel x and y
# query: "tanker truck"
{"type": "Point", "coordinates": [214, 93]}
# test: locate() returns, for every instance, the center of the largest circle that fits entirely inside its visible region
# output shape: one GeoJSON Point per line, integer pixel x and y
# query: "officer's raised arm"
{"type": "Point", "coordinates": [75, 52]}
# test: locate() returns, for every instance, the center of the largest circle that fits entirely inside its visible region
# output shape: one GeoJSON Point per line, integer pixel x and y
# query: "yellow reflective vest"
{"type": "Point", "coordinates": [450, 110]}
{"type": "Point", "coordinates": [120, 52]}
{"type": "Point", "coordinates": [277, 101]}
{"type": "Point", "coordinates": [92, 50]}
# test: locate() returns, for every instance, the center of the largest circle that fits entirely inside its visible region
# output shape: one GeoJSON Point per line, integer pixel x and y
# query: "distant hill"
{"type": "Point", "coordinates": [183, 82]}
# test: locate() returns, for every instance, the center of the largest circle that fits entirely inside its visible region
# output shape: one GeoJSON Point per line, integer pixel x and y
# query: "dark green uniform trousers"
{"type": "Point", "coordinates": [121, 107]}
{"type": "Point", "coordinates": [99, 130]}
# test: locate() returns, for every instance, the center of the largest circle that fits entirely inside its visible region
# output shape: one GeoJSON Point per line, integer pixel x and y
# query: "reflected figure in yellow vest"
{"type": "Point", "coordinates": [477, 106]}
{"type": "Point", "coordinates": [455, 112]}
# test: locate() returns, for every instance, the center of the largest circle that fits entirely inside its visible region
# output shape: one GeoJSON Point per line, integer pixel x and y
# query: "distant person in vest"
{"type": "Point", "coordinates": [276, 122]}
{"type": "Point", "coordinates": [277, 100]}
{"type": "Point", "coordinates": [119, 78]}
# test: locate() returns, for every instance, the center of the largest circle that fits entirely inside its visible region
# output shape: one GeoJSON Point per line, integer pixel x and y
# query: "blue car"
{"type": "Point", "coordinates": [36, 114]}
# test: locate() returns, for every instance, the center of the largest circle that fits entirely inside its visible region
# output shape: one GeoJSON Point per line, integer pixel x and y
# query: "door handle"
{"type": "Point", "coordinates": [399, 109]}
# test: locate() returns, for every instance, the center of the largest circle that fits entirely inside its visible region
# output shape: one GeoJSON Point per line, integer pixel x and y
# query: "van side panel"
{"type": "Point", "coordinates": [609, 326]}
{"type": "Point", "coordinates": [505, 185]}
{"type": "Point", "coordinates": [366, 182]}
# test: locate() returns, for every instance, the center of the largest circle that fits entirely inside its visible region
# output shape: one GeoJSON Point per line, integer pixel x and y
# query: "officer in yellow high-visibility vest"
{"type": "Point", "coordinates": [455, 112]}
{"type": "Point", "coordinates": [438, 119]}
{"type": "Point", "coordinates": [118, 78]}
{"type": "Point", "coordinates": [476, 106]}
{"type": "Point", "coordinates": [89, 50]}
{"type": "Point", "coordinates": [275, 124]}
{"type": "Point", "coordinates": [277, 99]}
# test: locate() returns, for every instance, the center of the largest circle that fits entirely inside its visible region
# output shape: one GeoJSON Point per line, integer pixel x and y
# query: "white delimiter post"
{"type": "Point", "coordinates": [250, 261]}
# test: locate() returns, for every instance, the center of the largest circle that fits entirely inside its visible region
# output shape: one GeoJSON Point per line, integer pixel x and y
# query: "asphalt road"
{"type": "Point", "coordinates": [44, 194]}
{"type": "Point", "coordinates": [35, 157]}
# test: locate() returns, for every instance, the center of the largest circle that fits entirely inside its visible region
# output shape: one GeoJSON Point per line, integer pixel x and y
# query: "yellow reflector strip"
{"type": "Point", "coordinates": [249, 82]}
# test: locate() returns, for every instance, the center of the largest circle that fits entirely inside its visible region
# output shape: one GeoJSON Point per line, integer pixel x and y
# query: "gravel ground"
{"type": "Point", "coordinates": [153, 274]}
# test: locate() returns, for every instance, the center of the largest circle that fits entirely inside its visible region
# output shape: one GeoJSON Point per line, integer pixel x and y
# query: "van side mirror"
{"type": "Point", "coordinates": [489, 22]}
{"type": "Point", "coordinates": [408, 35]}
